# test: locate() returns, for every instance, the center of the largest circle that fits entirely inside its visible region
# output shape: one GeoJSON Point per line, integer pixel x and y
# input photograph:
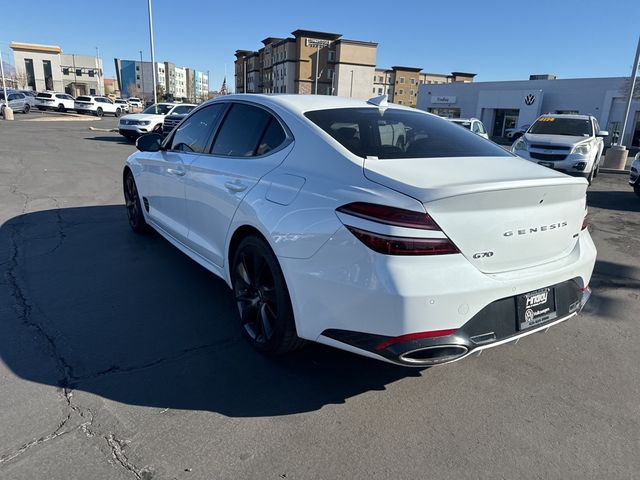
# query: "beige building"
{"type": "Point", "coordinates": [401, 83]}
{"type": "Point", "coordinates": [45, 67]}
{"type": "Point", "coordinates": [312, 62]}
{"type": "Point", "coordinates": [308, 63]}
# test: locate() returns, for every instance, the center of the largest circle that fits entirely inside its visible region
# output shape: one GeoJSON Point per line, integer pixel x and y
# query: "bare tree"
{"type": "Point", "coordinates": [133, 90]}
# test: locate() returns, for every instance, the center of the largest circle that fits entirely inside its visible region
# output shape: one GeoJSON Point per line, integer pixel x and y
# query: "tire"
{"type": "Point", "coordinates": [61, 108]}
{"type": "Point", "coordinates": [636, 188]}
{"type": "Point", "coordinates": [262, 298]}
{"type": "Point", "coordinates": [118, 112]}
{"type": "Point", "coordinates": [99, 112]}
{"type": "Point", "coordinates": [132, 204]}
{"type": "Point", "coordinates": [26, 109]}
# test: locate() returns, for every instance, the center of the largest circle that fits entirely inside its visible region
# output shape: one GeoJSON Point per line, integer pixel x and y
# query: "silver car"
{"type": "Point", "coordinates": [17, 101]}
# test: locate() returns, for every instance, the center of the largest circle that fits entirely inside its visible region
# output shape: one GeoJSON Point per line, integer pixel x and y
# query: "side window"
{"type": "Point", "coordinates": [242, 129]}
{"type": "Point", "coordinates": [481, 128]}
{"type": "Point", "coordinates": [596, 127]}
{"type": "Point", "coordinates": [475, 127]}
{"type": "Point", "coordinates": [12, 96]}
{"type": "Point", "coordinates": [272, 138]}
{"type": "Point", "coordinates": [193, 134]}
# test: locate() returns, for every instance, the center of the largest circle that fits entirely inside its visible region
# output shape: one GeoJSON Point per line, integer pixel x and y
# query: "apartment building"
{"type": "Point", "coordinates": [135, 79]}
{"type": "Point", "coordinates": [401, 83]}
{"type": "Point", "coordinates": [45, 67]}
{"type": "Point", "coordinates": [309, 62]}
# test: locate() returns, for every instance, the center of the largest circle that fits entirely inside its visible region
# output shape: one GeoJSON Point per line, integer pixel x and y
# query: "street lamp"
{"type": "Point", "coordinates": [153, 55]}
{"type": "Point", "coordinates": [634, 73]}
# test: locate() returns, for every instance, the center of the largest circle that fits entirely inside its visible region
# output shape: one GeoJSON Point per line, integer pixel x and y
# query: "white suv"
{"type": "Point", "coordinates": [123, 104]}
{"type": "Point", "coordinates": [96, 105]}
{"type": "Point", "coordinates": [473, 124]}
{"type": "Point", "coordinates": [54, 101]}
{"type": "Point", "coordinates": [135, 102]}
{"type": "Point", "coordinates": [150, 119]}
{"type": "Point", "coordinates": [572, 144]}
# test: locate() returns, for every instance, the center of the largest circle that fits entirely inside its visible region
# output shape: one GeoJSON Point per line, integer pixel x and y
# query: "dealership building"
{"type": "Point", "coordinates": [503, 105]}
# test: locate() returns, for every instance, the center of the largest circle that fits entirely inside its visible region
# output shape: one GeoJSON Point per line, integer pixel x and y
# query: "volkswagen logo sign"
{"type": "Point", "coordinates": [529, 99]}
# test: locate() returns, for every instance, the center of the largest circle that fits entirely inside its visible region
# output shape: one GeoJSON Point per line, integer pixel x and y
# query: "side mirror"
{"type": "Point", "coordinates": [150, 142]}
{"type": "Point", "coordinates": [602, 133]}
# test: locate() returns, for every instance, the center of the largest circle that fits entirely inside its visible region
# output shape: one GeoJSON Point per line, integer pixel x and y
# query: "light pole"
{"type": "Point", "coordinates": [153, 55]}
{"type": "Point", "coordinates": [100, 91]}
{"type": "Point", "coordinates": [351, 87]}
{"type": "Point", "coordinates": [317, 65]}
{"type": "Point", "coordinates": [142, 77]}
{"type": "Point", "coordinates": [634, 73]}
{"type": "Point", "coordinates": [4, 86]}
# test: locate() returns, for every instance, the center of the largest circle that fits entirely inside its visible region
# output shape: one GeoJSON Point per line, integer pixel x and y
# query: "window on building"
{"type": "Point", "coordinates": [400, 92]}
{"type": "Point", "coordinates": [388, 90]}
{"type": "Point", "coordinates": [92, 73]}
{"type": "Point", "coordinates": [379, 91]}
{"type": "Point", "coordinates": [401, 79]}
{"type": "Point", "coordinates": [137, 68]}
{"type": "Point", "coordinates": [400, 102]}
{"type": "Point", "coordinates": [48, 74]}
{"type": "Point", "coordinates": [31, 78]}
{"type": "Point", "coordinates": [332, 56]}
{"type": "Point", "coordinates": [411, 92]}
{"type": "Point", "coordinates": [412, 81]}
{"type": "Point", "coordinates": [374, 89]}
{"type": "Point", "coordinates": [381, 79]}
{"type": "Point", "coordinates": [137, 77]}
{"type": "Point", "coordinates": [92, 91]}
{"type": "Point", "coordinates": [421, 82]}
{"type": "Point", "coordinates": [78, 72]}
{"type": "Point", "coordinates": [330, 73]}
{"type": "Point", "coordinates": [429, 81]}
{"type": "Point", "coordinates": [65, 71]}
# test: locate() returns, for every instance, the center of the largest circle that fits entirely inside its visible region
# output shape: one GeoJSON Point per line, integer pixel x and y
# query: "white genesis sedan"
{"type": "Point", "coordinates": [419, 252]}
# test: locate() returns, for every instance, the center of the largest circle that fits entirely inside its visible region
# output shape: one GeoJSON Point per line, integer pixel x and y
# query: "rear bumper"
{"type": "Point", "coordinates": [494, 325]}
{"type": "Point", "coordinates": [348, 288]}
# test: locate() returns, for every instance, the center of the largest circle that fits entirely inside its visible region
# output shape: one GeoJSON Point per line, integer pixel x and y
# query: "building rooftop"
{"type": "Point", "coordinates": [35, 47]}
{"type": "Point", "coordinates": [314, 34]}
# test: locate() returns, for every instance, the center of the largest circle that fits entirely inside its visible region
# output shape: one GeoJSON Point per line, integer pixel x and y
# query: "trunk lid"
{"type": "Point", "coordinates": [503, 213]}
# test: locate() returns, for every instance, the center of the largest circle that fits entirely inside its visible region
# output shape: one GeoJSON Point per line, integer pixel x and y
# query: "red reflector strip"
{"type": "Point", "coordinates": [389, 245]}
{"type": "Point", "coordinates": [415, 336]}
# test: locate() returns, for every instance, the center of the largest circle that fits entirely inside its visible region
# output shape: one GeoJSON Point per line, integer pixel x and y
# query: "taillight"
{"type": "Point", "coordinates": [398, 217]}
{"type": "Point", "coordinates": [390, 215]}
{"type": "Point", "coordinates": [391, 245]}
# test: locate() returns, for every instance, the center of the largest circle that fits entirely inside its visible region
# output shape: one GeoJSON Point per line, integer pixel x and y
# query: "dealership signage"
{"type": "Point", "coordinates": [443, 99]}
{"type": "Point", "coordinates": [316, 42]}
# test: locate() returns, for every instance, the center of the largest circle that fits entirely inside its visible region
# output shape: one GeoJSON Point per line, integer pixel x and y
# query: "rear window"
{"type": "Point", "coordinates": [83, 99]}
{"type": "Point", "coordinates": [43, 95]}
{"type": "Point", "coordinates": [394, 133]}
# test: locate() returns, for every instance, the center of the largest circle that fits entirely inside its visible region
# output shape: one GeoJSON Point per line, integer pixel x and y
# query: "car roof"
{"type": "Point", "coordinates": [567, 115]}
{"type": "Point", "coordinates": [463, 119]}
{"type": "Point", "coordinates": [305, 103]}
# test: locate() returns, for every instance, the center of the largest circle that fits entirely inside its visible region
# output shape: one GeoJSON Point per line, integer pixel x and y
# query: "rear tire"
{"type": "Point", "coordinates": [26, 109]}
{"type": "Point", "coordinates": [99, 112]}
{"type": "Point", "coordinates": [132, 203]}
{"type": "Point", "coordinates": [262, 298]}
{"type": "Point", "coordinates": [61, 108]}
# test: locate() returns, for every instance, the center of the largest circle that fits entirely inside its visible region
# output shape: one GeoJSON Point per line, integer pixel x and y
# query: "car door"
{"type": "Point", "coordinates": [249, 143]}
{"type": "Point", "coordinates": [163, 174]}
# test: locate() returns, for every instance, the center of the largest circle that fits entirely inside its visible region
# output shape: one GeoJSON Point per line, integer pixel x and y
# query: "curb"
{"type": "Point", "coordinates": [614, 170]}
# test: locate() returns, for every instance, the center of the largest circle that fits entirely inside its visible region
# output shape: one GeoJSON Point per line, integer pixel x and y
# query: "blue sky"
{"type": "Point", "coordinates": [498, 40]}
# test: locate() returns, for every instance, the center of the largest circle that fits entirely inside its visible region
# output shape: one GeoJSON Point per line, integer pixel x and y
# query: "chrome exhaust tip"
{"type": "Point", "coordinates": [435, 355]}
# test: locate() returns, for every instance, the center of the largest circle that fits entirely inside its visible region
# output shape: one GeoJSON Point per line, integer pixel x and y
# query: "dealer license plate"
{"type": "Point", "coordinates": [537, 307]}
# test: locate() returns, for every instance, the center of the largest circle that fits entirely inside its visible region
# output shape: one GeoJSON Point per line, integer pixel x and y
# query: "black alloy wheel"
{"type": "Point", "coordinates": [262, 298]}
{"type": "Point", "coordinates": [132, 203]}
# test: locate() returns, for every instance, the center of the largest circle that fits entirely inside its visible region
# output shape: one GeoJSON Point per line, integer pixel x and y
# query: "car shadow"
{"type": "Point", "coordinates": [130, 318]}
{"type": "Point", "coordinates": [115, 138]}
{"type": "Point", "coordinates": [625, 201]}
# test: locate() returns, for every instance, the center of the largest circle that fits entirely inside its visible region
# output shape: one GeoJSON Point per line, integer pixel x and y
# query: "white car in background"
{"type": "Point", "coordinates": [420, 254]}
{"type": "Point", "coordinates": [54, 101]}
{"type": "Point", "coordinates": [473, 124]}
{"type": "Point", "coordinates": [150, 119]}
{"type": "Point", "coordinates": [96, 105]}
{"type": "Point", "coordinates": [571, 144]}
{"type": "Point", "coordinates": [515, 133]}
{"type": "Point", "coordinates": [123, 104]}
{"type": "Point", "coordinates": [135, 102]}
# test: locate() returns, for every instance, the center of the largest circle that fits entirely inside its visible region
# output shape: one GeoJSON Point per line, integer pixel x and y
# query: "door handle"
{"type": "Point", "coordinates": [235, 187]}
{"type": "Point", "coordinates": [175, 171]}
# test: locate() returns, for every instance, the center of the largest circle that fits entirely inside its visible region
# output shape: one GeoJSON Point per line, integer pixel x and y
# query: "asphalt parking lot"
{"type": "Point", "coordinates": [120, 358]}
